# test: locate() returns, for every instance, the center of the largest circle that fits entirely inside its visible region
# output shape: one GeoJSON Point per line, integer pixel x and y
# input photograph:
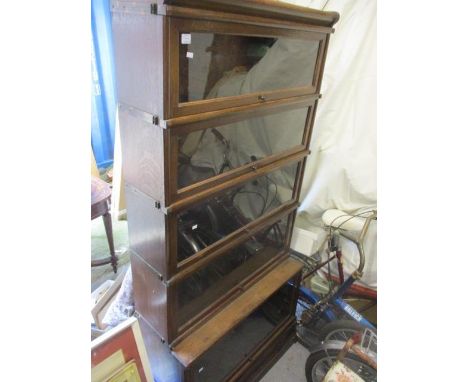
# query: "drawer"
{"type": "Point", "coordinates": [238, 346]}
{"type": "Point", "coordinates": [271, 351]}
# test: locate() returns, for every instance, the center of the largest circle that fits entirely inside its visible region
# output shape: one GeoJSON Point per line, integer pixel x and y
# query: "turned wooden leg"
{"type": "Point", "coordinates": [110, 239]}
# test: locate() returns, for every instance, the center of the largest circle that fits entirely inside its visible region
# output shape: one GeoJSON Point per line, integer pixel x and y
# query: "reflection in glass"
{"type": "Point", "coordinates": [225, 355]}
{"type": "Point", "coordinates": [206, 153]}
{"type": "Point", "coordinates": [211, 282]}
{"type": "Point", "coordinates": [205, 223]}
{"type": "Point", "coordinates": [217, 65]}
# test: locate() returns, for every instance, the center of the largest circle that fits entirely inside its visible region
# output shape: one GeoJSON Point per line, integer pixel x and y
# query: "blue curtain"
{"type": "Point", "coordinates": [102, 84]}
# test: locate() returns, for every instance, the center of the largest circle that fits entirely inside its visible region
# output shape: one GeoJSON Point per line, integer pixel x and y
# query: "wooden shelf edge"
{"type": "Point", "coordinates": [183, 124]}
{"type": "Point", "coordinates": [194, 345]}
{"type": "Point", "coordinates": [264, 8]}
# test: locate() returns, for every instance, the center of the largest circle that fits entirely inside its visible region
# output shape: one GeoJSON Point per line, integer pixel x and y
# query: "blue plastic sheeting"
{"type": "Point", "coordinates": [102, 84]}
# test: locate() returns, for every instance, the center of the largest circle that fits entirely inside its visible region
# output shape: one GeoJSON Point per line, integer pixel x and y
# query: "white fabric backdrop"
{"type": "Point", "coordinates": [341, 170]}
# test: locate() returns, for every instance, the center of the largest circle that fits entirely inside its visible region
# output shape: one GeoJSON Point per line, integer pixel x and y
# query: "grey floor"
{"type": "Point", "coordinates": [289, 368]}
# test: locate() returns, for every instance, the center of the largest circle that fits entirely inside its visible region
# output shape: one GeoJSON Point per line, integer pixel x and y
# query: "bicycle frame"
{"type": "Point", "coordinates": [336, 297]}
{"type": "Point", "coordinates": [336, 300]}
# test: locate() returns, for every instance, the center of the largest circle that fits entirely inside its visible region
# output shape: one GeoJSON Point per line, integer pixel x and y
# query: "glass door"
{"type": "Point", "coordinates": [214, 282]}
{"type": "Point", "coordinates": [203, 154]}
{"type": "Point", "coordinates": [215, 220]}
{"type": "Point", "coordinates": [219, 65]}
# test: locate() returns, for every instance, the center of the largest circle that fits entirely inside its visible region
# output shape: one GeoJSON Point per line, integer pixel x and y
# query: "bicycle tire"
{"type": "Point", "coordinates": [313, 374]}
{"type": "Point", "coordinates": [347, 326]}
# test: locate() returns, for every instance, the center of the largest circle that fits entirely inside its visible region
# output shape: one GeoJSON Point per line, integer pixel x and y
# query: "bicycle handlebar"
{"type": "Point", "coordinates": [360, 241]}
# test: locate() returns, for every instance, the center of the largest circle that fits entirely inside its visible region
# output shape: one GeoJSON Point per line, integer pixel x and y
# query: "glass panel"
{"type": "Point", "coordinates": [209, 221]}
{"type": "Point", "coordinates": [210, 283]}
{"type": "Point", "coordinates": [226, 354]}
{"type": "Point", "coordinates": [207, 153]}
{"type": "Point", "coordinates": [218, 65]}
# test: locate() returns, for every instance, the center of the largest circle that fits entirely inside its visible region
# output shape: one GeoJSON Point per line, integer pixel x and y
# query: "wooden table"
{"type": "Point", "coordinates": [100, 206]}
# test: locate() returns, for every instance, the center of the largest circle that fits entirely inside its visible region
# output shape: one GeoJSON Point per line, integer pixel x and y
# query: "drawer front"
{"type": "Point", "coordinates": [206, 224]}
{"type": "Point", "coordinates": [265, 358]}
{"type": "Point", "coordinates": [237, 345]}
{"type": "Point", "coordinates": [215, 65]}
{"type": "Point", "coordinates": [201, 291]}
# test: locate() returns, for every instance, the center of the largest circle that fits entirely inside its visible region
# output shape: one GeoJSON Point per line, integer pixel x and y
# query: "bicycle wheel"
{"type": "Point", "coordinates": [339, 330]}
{"type": "Point", "coordinates": [320, 362]}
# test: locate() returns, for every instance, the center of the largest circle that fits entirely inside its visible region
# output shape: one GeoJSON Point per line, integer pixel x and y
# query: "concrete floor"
{"type": "Point", "coordinates": [289, 368]}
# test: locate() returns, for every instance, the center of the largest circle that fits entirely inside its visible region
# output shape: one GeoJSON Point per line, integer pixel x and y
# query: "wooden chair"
{"type": "Point", "coordinates": [100, 206]}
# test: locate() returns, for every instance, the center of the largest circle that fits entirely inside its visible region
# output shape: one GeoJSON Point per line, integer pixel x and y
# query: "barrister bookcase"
{"type": "Point", "coordinates": [217, 101]}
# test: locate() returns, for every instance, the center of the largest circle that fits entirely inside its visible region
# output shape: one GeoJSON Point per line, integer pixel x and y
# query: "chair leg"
{"type": "Point", "coordinates": [110, 239]}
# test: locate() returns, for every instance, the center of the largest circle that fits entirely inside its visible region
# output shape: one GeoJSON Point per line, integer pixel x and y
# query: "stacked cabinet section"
{"type": "Point", "coordinates": [201, 256]}
{"type": "Point", "coordinates": [216, 108]}
{"type": "Point", "coordinates": [241, 342]}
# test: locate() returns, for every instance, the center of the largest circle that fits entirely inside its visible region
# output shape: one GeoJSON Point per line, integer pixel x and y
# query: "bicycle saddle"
{"type": "Point", "coordinates": [340, 219]}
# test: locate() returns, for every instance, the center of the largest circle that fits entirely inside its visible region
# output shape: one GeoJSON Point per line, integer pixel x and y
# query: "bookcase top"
{"type": "Point", "coordinates": [264, 8]}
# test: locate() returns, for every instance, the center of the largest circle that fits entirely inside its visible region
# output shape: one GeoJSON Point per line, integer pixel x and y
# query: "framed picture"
{"type": "Point", "coordinates": [120, 355]}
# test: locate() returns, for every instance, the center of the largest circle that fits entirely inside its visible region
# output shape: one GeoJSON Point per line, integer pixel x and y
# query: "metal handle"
{"type": "Point", "coordinates": [360, 241]}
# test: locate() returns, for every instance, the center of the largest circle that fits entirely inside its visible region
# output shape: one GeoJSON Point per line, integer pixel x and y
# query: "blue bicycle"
{"type": "Point", "coordinates": [330, 312]}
